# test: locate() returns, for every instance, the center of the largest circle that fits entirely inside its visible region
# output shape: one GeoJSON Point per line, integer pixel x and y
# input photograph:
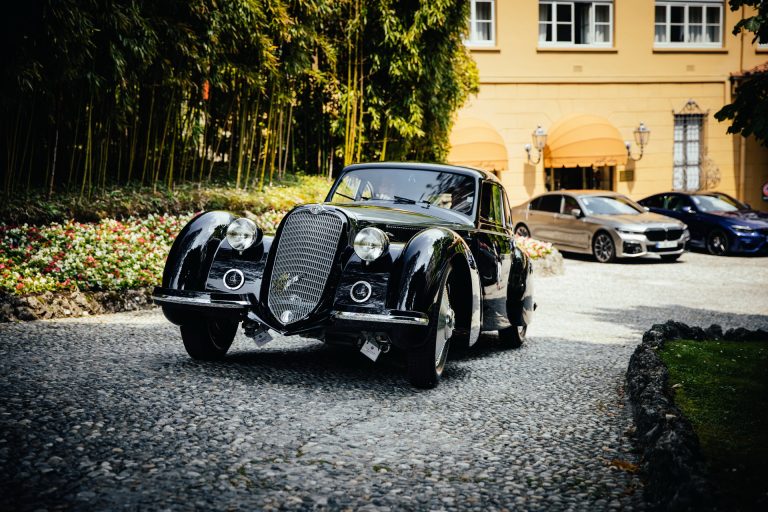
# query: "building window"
{"type": "Point", "coordinates": [582, 23]}
{"type": "Point", "coordinates": [688, 151]}
{"type": "Point", "coordinates": [482, 23]}
{"type": "Point", "coordinates": [695, 24]}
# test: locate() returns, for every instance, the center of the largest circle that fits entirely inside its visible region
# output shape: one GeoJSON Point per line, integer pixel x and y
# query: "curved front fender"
{"type": "Point", "coordinates": [423, 263]}
{"type": "Point", "coordinates": [192, 253]}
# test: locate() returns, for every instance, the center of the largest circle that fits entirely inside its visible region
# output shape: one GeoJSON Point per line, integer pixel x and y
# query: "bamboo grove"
{"type": "Point", "coordinates": [103, 93]}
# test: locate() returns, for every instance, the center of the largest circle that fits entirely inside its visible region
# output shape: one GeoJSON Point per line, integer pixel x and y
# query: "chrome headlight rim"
{"type": "Point", "coordinates": [370, 244]}
{"type": "Point", "coordinates": [242, 233]}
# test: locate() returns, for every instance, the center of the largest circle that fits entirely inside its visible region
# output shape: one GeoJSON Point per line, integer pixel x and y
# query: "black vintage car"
{"type": "Point", "coordinates": [416, 256]}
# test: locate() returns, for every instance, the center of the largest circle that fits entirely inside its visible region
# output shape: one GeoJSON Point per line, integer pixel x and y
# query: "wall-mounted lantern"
{"type": "Point", "coordinates": [539, 138]}
{"type": "Point", "coordinates": [642, 136]}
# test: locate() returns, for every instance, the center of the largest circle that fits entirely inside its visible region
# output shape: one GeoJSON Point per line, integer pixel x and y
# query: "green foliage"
{"type": "Point", "coordinates": [749, 110]}
{"type": "Point", "coordinates": [757, 23]}
{"type": "Point", "coordinates": [125, 202]}
{"type": "Point", "coordinates": [159, 93]}
{"type": "Point", "coordinates": [722, 387]}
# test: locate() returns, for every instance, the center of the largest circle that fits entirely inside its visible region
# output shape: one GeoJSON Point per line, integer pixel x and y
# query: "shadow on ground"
{"type": "Point", "coordinates": [643, 317]}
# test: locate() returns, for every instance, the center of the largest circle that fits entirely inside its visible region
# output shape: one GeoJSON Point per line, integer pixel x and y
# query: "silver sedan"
{"type": "Point", "coordinates": [605, 224]}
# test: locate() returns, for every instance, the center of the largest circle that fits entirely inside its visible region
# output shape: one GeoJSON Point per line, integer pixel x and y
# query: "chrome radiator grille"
{"type": "Point", "coordinates": [305, 254]}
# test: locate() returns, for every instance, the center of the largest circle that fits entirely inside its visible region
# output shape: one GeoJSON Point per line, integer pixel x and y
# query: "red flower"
{"type": "Point", "coordinates": [20, 286]}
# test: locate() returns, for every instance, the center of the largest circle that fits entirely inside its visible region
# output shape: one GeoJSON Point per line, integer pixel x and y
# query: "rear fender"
{"type": "Point", "coordinates": [520, 303]}
{"type": "Point", "coordinates": [422, 268]}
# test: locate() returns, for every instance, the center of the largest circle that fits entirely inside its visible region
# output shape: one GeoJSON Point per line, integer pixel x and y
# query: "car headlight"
{"type": "Point", "coordinates": [625, 231]}
{"type": "Point", "coordinates": [371, 243]}
{"type": "Point", "coordinates": [746, 230]}
{"type": "Point", "coordinates": [241, 233]}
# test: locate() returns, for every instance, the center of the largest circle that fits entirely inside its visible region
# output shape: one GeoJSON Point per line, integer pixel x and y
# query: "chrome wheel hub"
{"type": "Point", "coordinates": [446, 320]}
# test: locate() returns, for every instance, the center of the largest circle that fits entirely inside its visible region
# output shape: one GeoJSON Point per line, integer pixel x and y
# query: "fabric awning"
{"type": "Point", "coordinates": [582, 141]}
{"type": "Point", "coordinates": [475, 143]}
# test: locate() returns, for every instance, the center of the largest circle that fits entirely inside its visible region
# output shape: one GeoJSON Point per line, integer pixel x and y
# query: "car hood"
{"type": "Point", "coordinates": [640, 221]}
{"type": "Point", "coordinates": [751, 218]}
{"type": "Point", "coordinates": [403, 214]}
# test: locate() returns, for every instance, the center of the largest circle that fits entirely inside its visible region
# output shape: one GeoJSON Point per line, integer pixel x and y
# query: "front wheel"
{"type": "Point", "coordinates": [603, 248]}
{"type": "Point", "coordinates": [426, 363]}
{"type": "Point", "coordinates": [523, 231]}
{"type": "Point", "coordinates": [513, 337]}
{"type": "Point", "coordinates": [717, 243]}
{"type": "Point", "coordinates": [208, 340]}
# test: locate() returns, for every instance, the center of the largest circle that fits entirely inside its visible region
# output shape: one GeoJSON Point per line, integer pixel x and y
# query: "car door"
{"type": "Point", "coordinates": [541, 217]}
{"type": "Point", "coordinates": [571, 230]}
{"type": "Point", "coordinates": [682, 207]}
{"type": "Point", "coordinates": [494, 253]}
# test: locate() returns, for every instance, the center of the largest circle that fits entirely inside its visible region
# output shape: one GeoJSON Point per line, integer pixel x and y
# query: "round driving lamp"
{"type": "Point", "coordinates": [370, 244]}
{"type": "Point", "coordinates": [242, 233]}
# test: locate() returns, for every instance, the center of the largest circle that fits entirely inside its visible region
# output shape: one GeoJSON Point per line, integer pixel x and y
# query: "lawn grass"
{"type": "Point", "coordinates": [722, 387]}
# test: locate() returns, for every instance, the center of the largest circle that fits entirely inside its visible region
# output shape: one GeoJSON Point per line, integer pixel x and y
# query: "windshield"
{"type": "Point", "coordinates": [604, 205]}
{"type": "Point", "coordinates": [408, 186]}
{"type": "Point", "coordinates": [718, 203]}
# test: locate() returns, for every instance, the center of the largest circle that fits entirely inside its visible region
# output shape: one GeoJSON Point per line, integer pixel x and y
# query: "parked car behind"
{"type": "Point", "coordinates": [605, 224]}
{"type": "Point", "coordinates": [718, 223]}
{"type": "Point", "coordinates": [416, 256]}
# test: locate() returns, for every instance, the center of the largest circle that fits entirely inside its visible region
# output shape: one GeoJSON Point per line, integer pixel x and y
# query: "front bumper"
{"type": "Point", "coordinates": [180, 305]}
{"type": "Point", "coordinates": [635, 245]}
{"type": "Point", "coordinates": [749, 243]}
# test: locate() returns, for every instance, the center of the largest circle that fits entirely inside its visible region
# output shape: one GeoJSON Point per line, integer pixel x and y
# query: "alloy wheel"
{"type": "Point", "coordinates": [522, 230]}
{"type": "Point", "coordinates": [603, 248]}
{"type": "Point", "coordinates": [717, 243]}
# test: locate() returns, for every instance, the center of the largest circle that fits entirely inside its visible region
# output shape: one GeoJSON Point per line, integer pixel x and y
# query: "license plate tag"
{"type": "Point", "coordinates": [262, 338]}
{"type": "Point", "coordinates": [666, 245]}
{"type": "Point", "coordinates": [371, 350]}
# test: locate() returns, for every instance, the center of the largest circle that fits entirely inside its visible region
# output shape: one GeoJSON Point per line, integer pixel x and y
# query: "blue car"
{"type": "Point", "coordinates": [718, 223]}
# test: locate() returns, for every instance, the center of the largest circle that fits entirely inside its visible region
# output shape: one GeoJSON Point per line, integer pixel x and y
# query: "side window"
{"type": "Point", "coordinates": [491, 208]}
{"type": "Point", "coordinates": [676, 203]}
{"type": "Point", "coordinates": [535, 204]}
{"type": "Point", "coordinates": [507, 209]}
{"type": "Point", "coordinates": [550, 203]}
{"type": "Point", "coordinates": [570, 204]}
{"type": "Point", "coordinates": [655, 201]}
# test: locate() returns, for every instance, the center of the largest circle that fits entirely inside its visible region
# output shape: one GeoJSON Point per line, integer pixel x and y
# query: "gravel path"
{"type": "Point", "coordinates": [109, 412]}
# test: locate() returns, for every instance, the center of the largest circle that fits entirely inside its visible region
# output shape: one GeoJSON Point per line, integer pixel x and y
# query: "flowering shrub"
{"type": "Point", "coordinates": [112, 255]}
{"type": "Point", "coordinates": [535, 249]}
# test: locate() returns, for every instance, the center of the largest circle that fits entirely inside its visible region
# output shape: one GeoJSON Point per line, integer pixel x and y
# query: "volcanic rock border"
{"type": "Point", "coordinates": [672, 463]}
{"type": "Point", "coordinates": [49, 305]}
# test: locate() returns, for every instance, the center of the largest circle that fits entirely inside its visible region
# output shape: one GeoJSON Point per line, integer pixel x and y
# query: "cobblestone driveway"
{"type": "Point", "coordinates": [109, 413]}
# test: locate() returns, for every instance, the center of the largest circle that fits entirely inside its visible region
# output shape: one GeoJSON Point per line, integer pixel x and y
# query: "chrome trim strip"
{"type": "Point", "coordinates": [200, 301]}
{"type": "Point", "coordinates": [374, 317]}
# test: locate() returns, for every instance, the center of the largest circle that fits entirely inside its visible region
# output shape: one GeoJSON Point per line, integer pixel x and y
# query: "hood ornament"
{"type": "Point", "coordinates": [316, 208]}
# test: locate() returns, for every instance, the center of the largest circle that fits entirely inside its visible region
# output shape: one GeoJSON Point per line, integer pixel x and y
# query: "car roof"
{"type": "Point", "coordinates": [421, 166]}
{"type": "Point", "coordinates": [583, 192]}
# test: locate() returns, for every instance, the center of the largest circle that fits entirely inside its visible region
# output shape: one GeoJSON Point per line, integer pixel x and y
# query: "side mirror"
{"type": "Point", "coordinates": [687, 209]}
{"type": "Point", "coordinates": [576, 212]}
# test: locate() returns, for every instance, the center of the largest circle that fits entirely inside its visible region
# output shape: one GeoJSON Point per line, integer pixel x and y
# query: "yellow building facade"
{"type": "Point", "coordinates": [588, 73]}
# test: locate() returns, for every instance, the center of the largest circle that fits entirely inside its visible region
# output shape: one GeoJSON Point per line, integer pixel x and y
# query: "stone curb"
{"type": "Point", "coordinates": [71, 304]}
{"type": "Point", "coordinates": [673, 465]}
